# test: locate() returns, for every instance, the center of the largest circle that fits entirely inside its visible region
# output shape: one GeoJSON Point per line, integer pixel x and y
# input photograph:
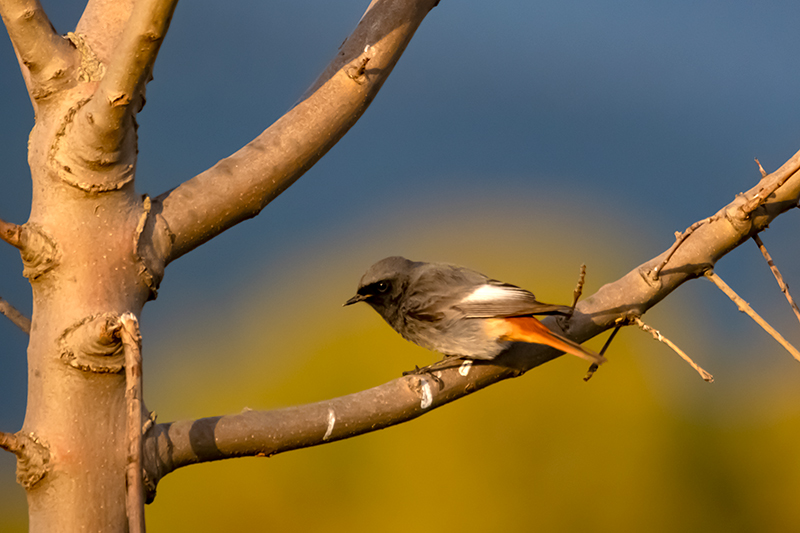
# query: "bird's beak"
{"type": "Point", "coordinates": [355, 299]}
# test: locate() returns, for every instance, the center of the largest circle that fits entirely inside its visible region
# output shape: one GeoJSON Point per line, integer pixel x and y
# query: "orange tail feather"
{"type": "Point", "coordinates": [529, 329]}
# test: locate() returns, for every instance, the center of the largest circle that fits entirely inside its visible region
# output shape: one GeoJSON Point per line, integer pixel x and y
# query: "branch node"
{"type": "Point", "coordinates": [33, 457]}
{"type": "Point", "coordinates": [38, 251]}
{"type": "Point", "coordinates": [680, 238]}
{"type": "Point", "coordinates": [93, 344]}
{"type": "Point", "coordinates": [421, 386]}
{"type": "Point", "coordinates": [357, 72]}
{"type": "Point", "coordinates": [151, 250]}
{"type": "Point", "coordinates": [106, 156]}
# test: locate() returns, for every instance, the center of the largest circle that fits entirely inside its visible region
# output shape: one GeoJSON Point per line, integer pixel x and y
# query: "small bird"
{"type": "Point", "coordinates": [458, 311]}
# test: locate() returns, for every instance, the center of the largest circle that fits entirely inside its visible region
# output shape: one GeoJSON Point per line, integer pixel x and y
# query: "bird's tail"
{"type": "Point", "coordinates": [529, 329]}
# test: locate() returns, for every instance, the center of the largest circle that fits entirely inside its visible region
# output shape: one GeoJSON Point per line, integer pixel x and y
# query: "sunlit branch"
{"type": "Point", "coordinates": [240, 186]}
{"type": "Point", "coordinates": [130, 67]}
{"type": "Point", "coordinates": [46, 56]}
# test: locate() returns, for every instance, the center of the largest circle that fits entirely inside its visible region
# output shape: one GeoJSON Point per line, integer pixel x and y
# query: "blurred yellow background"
{"type": "Point", "coordinates": [645, 445]}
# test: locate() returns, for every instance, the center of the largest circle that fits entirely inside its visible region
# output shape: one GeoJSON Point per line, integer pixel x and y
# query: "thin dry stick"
{"type": "Point", "coordinates": [19, 320]}
{"type": "Point", "coordinates": [761, 169]}
{"type": "Point", "coordinates": [679, 238]}
{"type": "Point", "coordinates": [593, 368]}
{"type": "Point", "coordinates": [661, 338]}
{"type": "Point", "coordinates": [131, 340]}
{"type": "Point", "coordinates": [777, 274]}
{"type": "Point", "coordinates": [576, 294]}
{"type": "Point", "coordinates": [11, 233]}
{"type": "Point", "coordinates": [745, 308]}
{"type": "Point", "coordinates": [782, 175]}
{"type": "Point", "coordinates": [10, 443]}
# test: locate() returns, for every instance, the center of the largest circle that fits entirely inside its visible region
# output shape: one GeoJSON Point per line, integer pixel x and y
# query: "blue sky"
{"type": "Point", "coordinates": [646, 115]}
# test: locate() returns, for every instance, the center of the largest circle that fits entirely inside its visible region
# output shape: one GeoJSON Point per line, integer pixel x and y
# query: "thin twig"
{"type": "Point", "coordinates": [131, 340]}
{"type": "Point", "coordinates": [661, 338]}
{"type": "Point", "coordinates": [593, 368]}
{"type": "Point", "coordinates": [761, 169]}
{"type": "Point", "coordinates": [576, 294]}
{"type": "Point", "coordinates": [19, 320]}
{"type": "Point", "coordinates": [679, 239]}
{"type": "Point", "coordinates": [11, 233]}
{"type": "Point", "coordinates": [10, 443]}
{"type": "Point", "coordinates": [777, 274]}
{"type": "Point", "coordinates": [780, 176]}
{"type": "Point", "coordinates": [745, 308]}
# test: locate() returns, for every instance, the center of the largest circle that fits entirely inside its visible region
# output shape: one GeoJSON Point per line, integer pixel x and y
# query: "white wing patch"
{"type": "Point", "coordinates": [489, 293]}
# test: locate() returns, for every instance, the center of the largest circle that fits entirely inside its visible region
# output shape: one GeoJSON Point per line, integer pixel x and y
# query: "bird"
{"type": "Point", "coordinates": [458, 311]}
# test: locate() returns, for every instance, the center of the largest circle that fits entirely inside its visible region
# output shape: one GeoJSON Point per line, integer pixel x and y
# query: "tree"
{"type": "Point", "coordinates": [92, 187]}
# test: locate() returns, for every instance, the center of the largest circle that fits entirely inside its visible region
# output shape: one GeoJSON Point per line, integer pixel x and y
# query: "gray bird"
{"type": "Point", "coordinates": [458, 311]}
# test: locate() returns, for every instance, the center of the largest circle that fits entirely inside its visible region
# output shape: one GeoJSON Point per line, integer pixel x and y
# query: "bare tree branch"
{"type": "Point", "coordinates": [11, 233]}
{"type": "Point", "coordinates": [771, 183]}
{"type": "Point", "coordinates": [46, 56]}
{"type": "Point", "coordinates": [744, 307]}
{"type": "Point", "coordinates": [657, 335]}
{"type": "Point", "coordinates": [754, 199]}
{"type": "Point", "coordinates": [130, 67]}
{"type": "Point", "coordinates": [778, 277]}
{"type": "Point", "coordinates": [265, 433]}
{"type": "Point", "coordinates": [240, 186]}
{"type": "Point", "coordinates": [10, 443]}
{"type": "Point", "coordinates": [19, 320]}
{"type": "Point", "coordinates": [173, 445]}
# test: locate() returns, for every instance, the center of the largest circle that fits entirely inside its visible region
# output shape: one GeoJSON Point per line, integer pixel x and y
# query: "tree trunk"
{"type": "Point", "coordinates": [85, 271]}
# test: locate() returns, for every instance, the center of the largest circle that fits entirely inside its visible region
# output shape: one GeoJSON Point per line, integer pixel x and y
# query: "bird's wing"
{"type": "Point", "coordinates": [495, 299]}
{"type": "Point", "coordinates": [436, 287]}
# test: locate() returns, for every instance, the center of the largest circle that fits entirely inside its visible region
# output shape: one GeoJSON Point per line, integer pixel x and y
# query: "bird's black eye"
{"type": "Point", "coordinates": [383, 286]}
